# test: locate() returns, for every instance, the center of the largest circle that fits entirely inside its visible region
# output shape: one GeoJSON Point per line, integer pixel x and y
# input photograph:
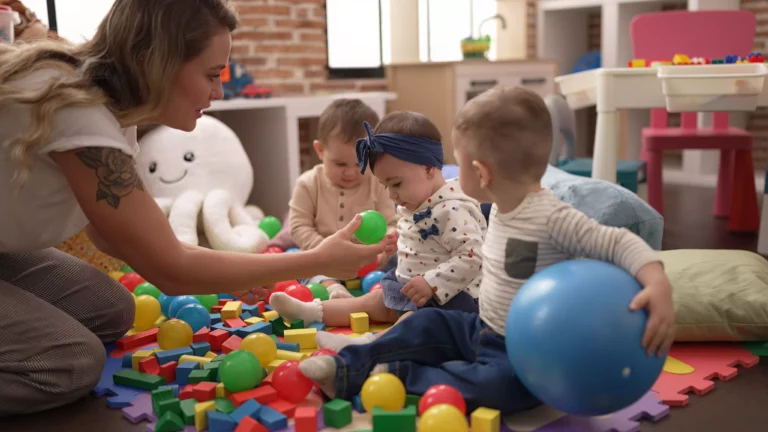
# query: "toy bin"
{"type": "Point", "coordinates": [712, 88]}
{"type": "Point", "coordinates": [579, 89]}
{"type": "Point", "coordinates": [6, 24]}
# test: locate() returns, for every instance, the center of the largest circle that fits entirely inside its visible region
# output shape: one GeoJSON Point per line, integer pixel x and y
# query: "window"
{"type": "Point", "coordinates": [444, 23]}
{"type": "Point", "coordinates": [354, 44]}
{"type": "Point", "coordinates": [75, 20]}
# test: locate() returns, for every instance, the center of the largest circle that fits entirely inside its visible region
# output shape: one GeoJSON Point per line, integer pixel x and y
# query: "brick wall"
{"type": "Point", "coordinates": [283, 45]}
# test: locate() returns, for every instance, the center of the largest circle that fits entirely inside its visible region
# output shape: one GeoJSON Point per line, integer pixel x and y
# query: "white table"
{"type": "Point", "coordinates": [269, 131]}
{"type": "Point", "coordinates": [613, 89]}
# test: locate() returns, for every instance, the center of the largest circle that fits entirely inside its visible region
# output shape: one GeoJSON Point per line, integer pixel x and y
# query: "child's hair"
{"type": "Point", "coordinates": [406, 123]}
{"type": "Point", "coordinates": [510, 128]}
{"type": "Point", "coordinates": [343, 119]}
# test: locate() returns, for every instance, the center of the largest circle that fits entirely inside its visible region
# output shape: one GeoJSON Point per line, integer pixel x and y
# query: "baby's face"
{"type": "Point", "coordinates": [409, 184]}
{"type": "Point", "coordinates": [340, 164]}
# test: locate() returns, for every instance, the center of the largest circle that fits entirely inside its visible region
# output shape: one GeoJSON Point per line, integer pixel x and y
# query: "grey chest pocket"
{"type": "Point", "coordinates": [520, 258]}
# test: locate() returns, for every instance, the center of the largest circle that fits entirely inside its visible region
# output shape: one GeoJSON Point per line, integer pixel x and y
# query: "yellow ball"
{"type": "Point", "coordinates": [173, 334]}
{"type": "Point", "coordinates": [443, 418]}
{"type": "Point", "coordinates": [116, 275]}
{"type": "Point", "coordinates": [383, 390]}
{"type": "Point", "coordinates": [260, 345]}
{"type": "Point", "coordinates": [147, 312]}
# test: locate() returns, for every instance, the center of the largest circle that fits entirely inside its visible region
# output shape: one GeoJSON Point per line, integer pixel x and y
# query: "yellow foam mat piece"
{"type": "Point", "coordinates": [675, 366]}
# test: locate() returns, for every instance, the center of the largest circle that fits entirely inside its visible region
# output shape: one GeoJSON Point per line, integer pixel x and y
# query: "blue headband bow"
{"type": "Point", "coordinates": [418, 150]}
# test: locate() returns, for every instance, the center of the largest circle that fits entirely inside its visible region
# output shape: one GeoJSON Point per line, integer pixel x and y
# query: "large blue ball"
{"type": "Point", "coordinates": [165, 304]}
{"type": "Point", "coordinates": [196, 315]}
{"type": "Point", "coordinates": [178, 303]}
{"type": "Point", "coordinates": [372, 279]}
{"type": "Point", "coordinates": [574, 342]}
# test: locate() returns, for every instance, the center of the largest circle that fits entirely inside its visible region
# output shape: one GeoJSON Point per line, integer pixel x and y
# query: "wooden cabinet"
{"type": "Point", "coordinates": [439, 90]}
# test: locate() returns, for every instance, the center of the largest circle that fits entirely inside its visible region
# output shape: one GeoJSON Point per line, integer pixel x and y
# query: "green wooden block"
{"type": "Point", "coordinates": [278, 326]}
{"type": "Point", "coordinates": [356, 292]}
{"type": "Point", "coordinates": [219, 358]}
{"type": "Point", "coordinates": [201, 375]}
{"type": "Point", "coordinates": [188, 410]}
{"type": "Point", "coordinates": [136, 379]}
{"type": "Point", "coordinates": [224, 405]}
{"type": "Point", "coordinates": [173, 405]}
{"type": "Point", "coordinates": [159, 395]}
{"type": "Point", "coordinates": [337, 413]}
{"type": "Point", "coordinates": [274, 338]}
{"type": "Point", "coordinates": [412, 400]}
{"type": "Point", "coordinates": [400, 421]}
{"type": "Point", "coordinates": [169, 422]}
{"type": "Point", "coordinates": [213, 366]}
{"type": "Point", "coordinates": [297, 324]}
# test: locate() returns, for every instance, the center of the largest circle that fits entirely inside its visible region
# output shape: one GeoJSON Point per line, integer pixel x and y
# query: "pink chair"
{"type": "Point", "coordinates": [713, 34]}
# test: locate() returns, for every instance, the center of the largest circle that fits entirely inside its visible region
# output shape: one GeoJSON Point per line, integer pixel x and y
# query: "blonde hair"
{"type": "Point", "coordinates": [127, 66]}
{"type": "Point", "coordinates": [509, 128]}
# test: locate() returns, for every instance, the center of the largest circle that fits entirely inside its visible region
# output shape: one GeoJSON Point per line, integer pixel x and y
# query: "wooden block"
{"type": "Point", "coordinates": [201, 418]}
{"type": "Point", "coordinates": [150, 365]}
{"type": "Point", "coordinates": [359, 322]}
{"type": "Point", "coordinates": [201, 335]}
{"type": "Point", "coordinates": [139, 356]}
{"type": "Point", "coordinates": [337, 413]}
{"type": "Point", "coordinates": [401, 421]}
{"type": "Point", "coordinates": [137, 340]}
{"type": "Point", "coordinates": [136, 379]}
{"type": "Point", "coordinates": [304, 337]}
{"type": "Point", "coordinates": [168, 371]}
{"type": "Point", "coordinates": [263, 394]}
{"type": "Point", "coordinates": [188, 410]}
{"type": "Point", "coordinates": [187, 392]}
{"type": "Point", "coordinates": [283, 407]}
{"type": "Point", "coordinates": [197, 359]}
{"type": "Point", "coordinates": [231, 344]}
{"type": "Point", "coordinates": [216, 338]}
{"type": "Point", "coordinates": [305, 419]}
{"type": "Point", "coordinates": [201, 375]}
{"type": "Point", "coordinates": [254, 320]}
{"type": "Point", "coordinates": [262, 307]}
{"type": "Point", "coordinates": [211, 355]}
{"type": "Point", "coordinates": [273, 365]}
{"type": "Point", "coordinates": [232, 309]}
{"type": "Point", "coordinates": [268, 315]}
{"type": "Point", "coordinates": [221, 391]}
{"type": "Point", "coordinates": [249, 424]}
{"type": "Point", "coordinates": [205, 391]}
{"type": "Point", "coordinates": [486, 420]}
{"type": "Point", "coordinates": [290, 355]}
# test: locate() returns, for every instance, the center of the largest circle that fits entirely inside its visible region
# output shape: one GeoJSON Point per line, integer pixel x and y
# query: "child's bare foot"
{"type": "Point", "coordinates": [337, 342]}
{"type": "Point", "coordinates": [322, 370]}
{"type": "Point", "coordinates": [337, 291]}
{"type": "Point", "coordinates": [292, 309]}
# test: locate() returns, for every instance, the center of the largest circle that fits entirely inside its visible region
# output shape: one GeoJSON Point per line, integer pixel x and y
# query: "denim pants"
{"type": "Point", "coordinates": [436, 346]}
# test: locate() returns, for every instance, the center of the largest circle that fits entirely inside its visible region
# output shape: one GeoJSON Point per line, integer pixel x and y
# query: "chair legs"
{"type": "Point", "coordinates": [722, 207]}
{"type": "Point", "coordinates": [745, 216]}
{"type": "Point", "coordinates": [653, 172]}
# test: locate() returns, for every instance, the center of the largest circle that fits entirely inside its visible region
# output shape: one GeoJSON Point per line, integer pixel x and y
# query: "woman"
{"type": "Point", "coordinates": [68, 118]}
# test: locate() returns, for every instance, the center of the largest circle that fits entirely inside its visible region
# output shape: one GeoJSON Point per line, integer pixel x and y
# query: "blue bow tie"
{"type": "Point", "coordinates": [420, 216]}
{"type": "Point", "coordinates": [426, 232]}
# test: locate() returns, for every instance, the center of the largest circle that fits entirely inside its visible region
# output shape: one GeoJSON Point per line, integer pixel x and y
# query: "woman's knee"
{"type": "Point", "coordinates": [114, 312]}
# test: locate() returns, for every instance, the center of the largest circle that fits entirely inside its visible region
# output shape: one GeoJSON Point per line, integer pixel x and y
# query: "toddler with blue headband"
{"type": "Point", "coordinates": [440, 234]}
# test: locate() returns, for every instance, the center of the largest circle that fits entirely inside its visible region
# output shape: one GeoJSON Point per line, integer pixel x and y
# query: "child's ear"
{"type": "Point", "coordinates": [318, 149]}
{"type": "Point", "coordinates": [430, 172]}
{"type": "Point", "coordinates": [483, 172]}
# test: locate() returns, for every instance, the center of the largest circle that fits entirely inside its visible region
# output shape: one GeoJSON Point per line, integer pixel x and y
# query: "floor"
{"type": "Point", "coordinates": [736, 406]}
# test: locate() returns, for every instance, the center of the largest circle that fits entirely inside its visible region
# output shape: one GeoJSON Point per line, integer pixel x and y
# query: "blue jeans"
{"type": "Point", "coordinates": [436, 346]}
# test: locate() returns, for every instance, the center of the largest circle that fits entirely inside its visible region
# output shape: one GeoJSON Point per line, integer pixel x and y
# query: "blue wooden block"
{"type": "Point", "coordinates": [259, 327]}
{"type": "Point", "coordinates": [215, 318]}
{"type": "Point", "coordinates": [271, 419]}
{"type": "Point", "coordinates": [288, 346]}
{"type": "Point", "coordinates": [245, 315]}
{"type": "Point", "coordinates": [252, 309]}
{"type": "Point", "coordinates": [200, 348]}
{"type": "Point", "coordinates": [168, 356]}
{"type": "Point", "coordinates": [220, 422]}
{"type": "Point", "coordinates": [127, 357]}
{"type": "Point", "coordinates": [357, 404]}
{"type": "Point", "coordinates": [317, 325]}
{"type": "Point", "coordinates": [268, 307]}
{"type": "Point", "coordinates": [183, 370]}
{"type": "Point", "coordinates": [221, 326]}
{"type": "Point", "coordinates": [250, 408]}
{"type": "Point", "coordinates": [174, 388]}
{"type": "Point", "coordinates": [164, 357]}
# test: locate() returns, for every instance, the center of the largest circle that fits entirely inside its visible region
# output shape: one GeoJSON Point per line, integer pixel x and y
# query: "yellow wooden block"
{"type": "Point", "coordinates": [211, 355]}
{"type": "Point", "coordinates": [157, 350]}
{"type": "Point", "coordinates": [131, 332]}
{"type": "Point", "coordinates": [353, 284]}
{"type": "Point", "coordinates": [486, 420]}
{"type": "Point", "coordinates": [290, 355]}
{"type": "Point", "coordinates": [269, 315]}
{"type": "Point", "coordinates": [304, 337]}
{"type": "Point", "coordinates": [231, 310]}
{"type": "Point", "coordinates": [190, 358]}
{"type": "Point", "coordinates": [675, 366]}
{"type": "Point", "coordinates": [139, 356]}
{"type": "Point", "coordinates": [221, 391]}
{"type": "Point", "coordinates": [201, 418]}
{"type": "Point", "coordinates": [359, 322]}
{"type": "Point", "coordinates": [254, 320]}
{"type": "Point", "coordinates": [274, 364]}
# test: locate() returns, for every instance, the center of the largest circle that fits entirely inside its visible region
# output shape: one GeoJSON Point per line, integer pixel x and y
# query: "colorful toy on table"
{"type": "Point", "coordinates": [237, 82]}
{"type": "Point", "coordinates": [682, 59]}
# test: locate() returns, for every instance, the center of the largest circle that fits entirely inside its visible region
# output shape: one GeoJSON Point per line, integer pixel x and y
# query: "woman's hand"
{"type": "Point", "coordinates": [343, 257]}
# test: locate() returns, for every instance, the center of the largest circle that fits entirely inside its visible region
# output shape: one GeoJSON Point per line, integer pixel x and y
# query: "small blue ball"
{"type": "Point", "coordinates": [178, 303]}
{"type": "Point", "coordinates": [196, 315]}
{"type": "Point", "coordinates": [165, 304]}
{"type": "Point", "coordinates": [372, 279]}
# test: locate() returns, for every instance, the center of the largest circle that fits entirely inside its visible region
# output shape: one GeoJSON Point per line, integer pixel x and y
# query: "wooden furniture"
{"type": "Point", "coordinates": [438, 90]}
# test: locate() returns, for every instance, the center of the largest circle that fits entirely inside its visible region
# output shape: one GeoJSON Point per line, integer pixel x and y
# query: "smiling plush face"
{"type": "Point", "coordinates": [210, 157]}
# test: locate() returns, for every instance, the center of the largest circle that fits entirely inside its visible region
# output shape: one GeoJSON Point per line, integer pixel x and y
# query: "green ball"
{"type": "Point", "coordinates": [240, 370]}
{"type": "Point", "coordinates": [318, 291]}
{"type": "Point", "coordinates": [146, 288]}
{"type": "Point", "coordinates": [373, 227]}
{"type": "Point", "coordinates": [208, 300]}
{"type": "Point", "coordinates": [127, 269]}
{"type": "Point", "coordinates": [271, 226]}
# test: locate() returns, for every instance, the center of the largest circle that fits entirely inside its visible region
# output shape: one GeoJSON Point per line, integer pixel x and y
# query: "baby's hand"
{"type": "Point", "coordinates": [418, 290]}
{"type": "Point", "coordinates": [660, 329]}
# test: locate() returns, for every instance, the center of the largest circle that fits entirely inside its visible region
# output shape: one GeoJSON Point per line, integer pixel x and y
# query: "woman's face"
{"type": "Point", "coordinates": [197, 84]}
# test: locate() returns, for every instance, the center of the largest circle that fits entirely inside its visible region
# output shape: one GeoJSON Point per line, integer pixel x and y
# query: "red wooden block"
{"type": "Point", "coordinates": [216, 309]}
{"type": "Point", "coordinates": [187, 392]}
{"type": "Point", "coordinates": [150, 365]}
{"type": "Point", "coordinates": [249, 424]}
{"type": "Point", "coordinates": [168, 371]}
{"type": "Point", "coordinates": [223, 302]}
{"type": "Point", "coordinates": [262, 307]}
{"type": "Point", "coordinates": [137, 340]}
{"type": "Point", "coordinates": [216, 338]}
{"type": "Point", "coordinates": [201, 335]}
{"type": "Point", "coordinates": [204, 391]}
{"type": "Point", "coordinates": [231, 344]}
{"type": "Point", "coordinates": [235, 323]}
{"type": "Point", "coordinates": [283, 406]}
{"type": "Point", "coordinates": [305, 419]}
{"type": "Point", "coordinates": [263, 395]}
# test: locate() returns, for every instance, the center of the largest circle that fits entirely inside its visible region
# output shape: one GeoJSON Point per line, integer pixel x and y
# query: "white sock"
{"type": "Point", "coordinates": [322, 370]}
{"type": "Point", "coordinates": [337, 342]}
{"type": "Point", "coordinates": [338, 291]}
{"type": "Point", "coordinates": [292, 309]}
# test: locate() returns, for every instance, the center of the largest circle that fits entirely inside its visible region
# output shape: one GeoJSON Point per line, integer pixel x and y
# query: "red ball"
{"type": "Point", "coordinates": [442, 394]}
{"type": "Point", "coordinates": [273, 250]}
{"type": "Point", "coordinates": [290, 383]}
{"type": "Point", "coordinates": [131, 280]}
{"type": "Point", "coordinates": [323, 351]}
{"type": "Point", "coordinates": [376, 286]}
{"type": "Point", "coordinates": [300, 292]}
{"type": "Point", "coordinates": [367, 269]}
{"type": "Point", "coordinates": [281, 286]}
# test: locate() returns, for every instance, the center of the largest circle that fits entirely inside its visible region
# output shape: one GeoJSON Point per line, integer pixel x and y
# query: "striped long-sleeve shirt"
{"type": "Point", "coordinates": [540, 232]}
